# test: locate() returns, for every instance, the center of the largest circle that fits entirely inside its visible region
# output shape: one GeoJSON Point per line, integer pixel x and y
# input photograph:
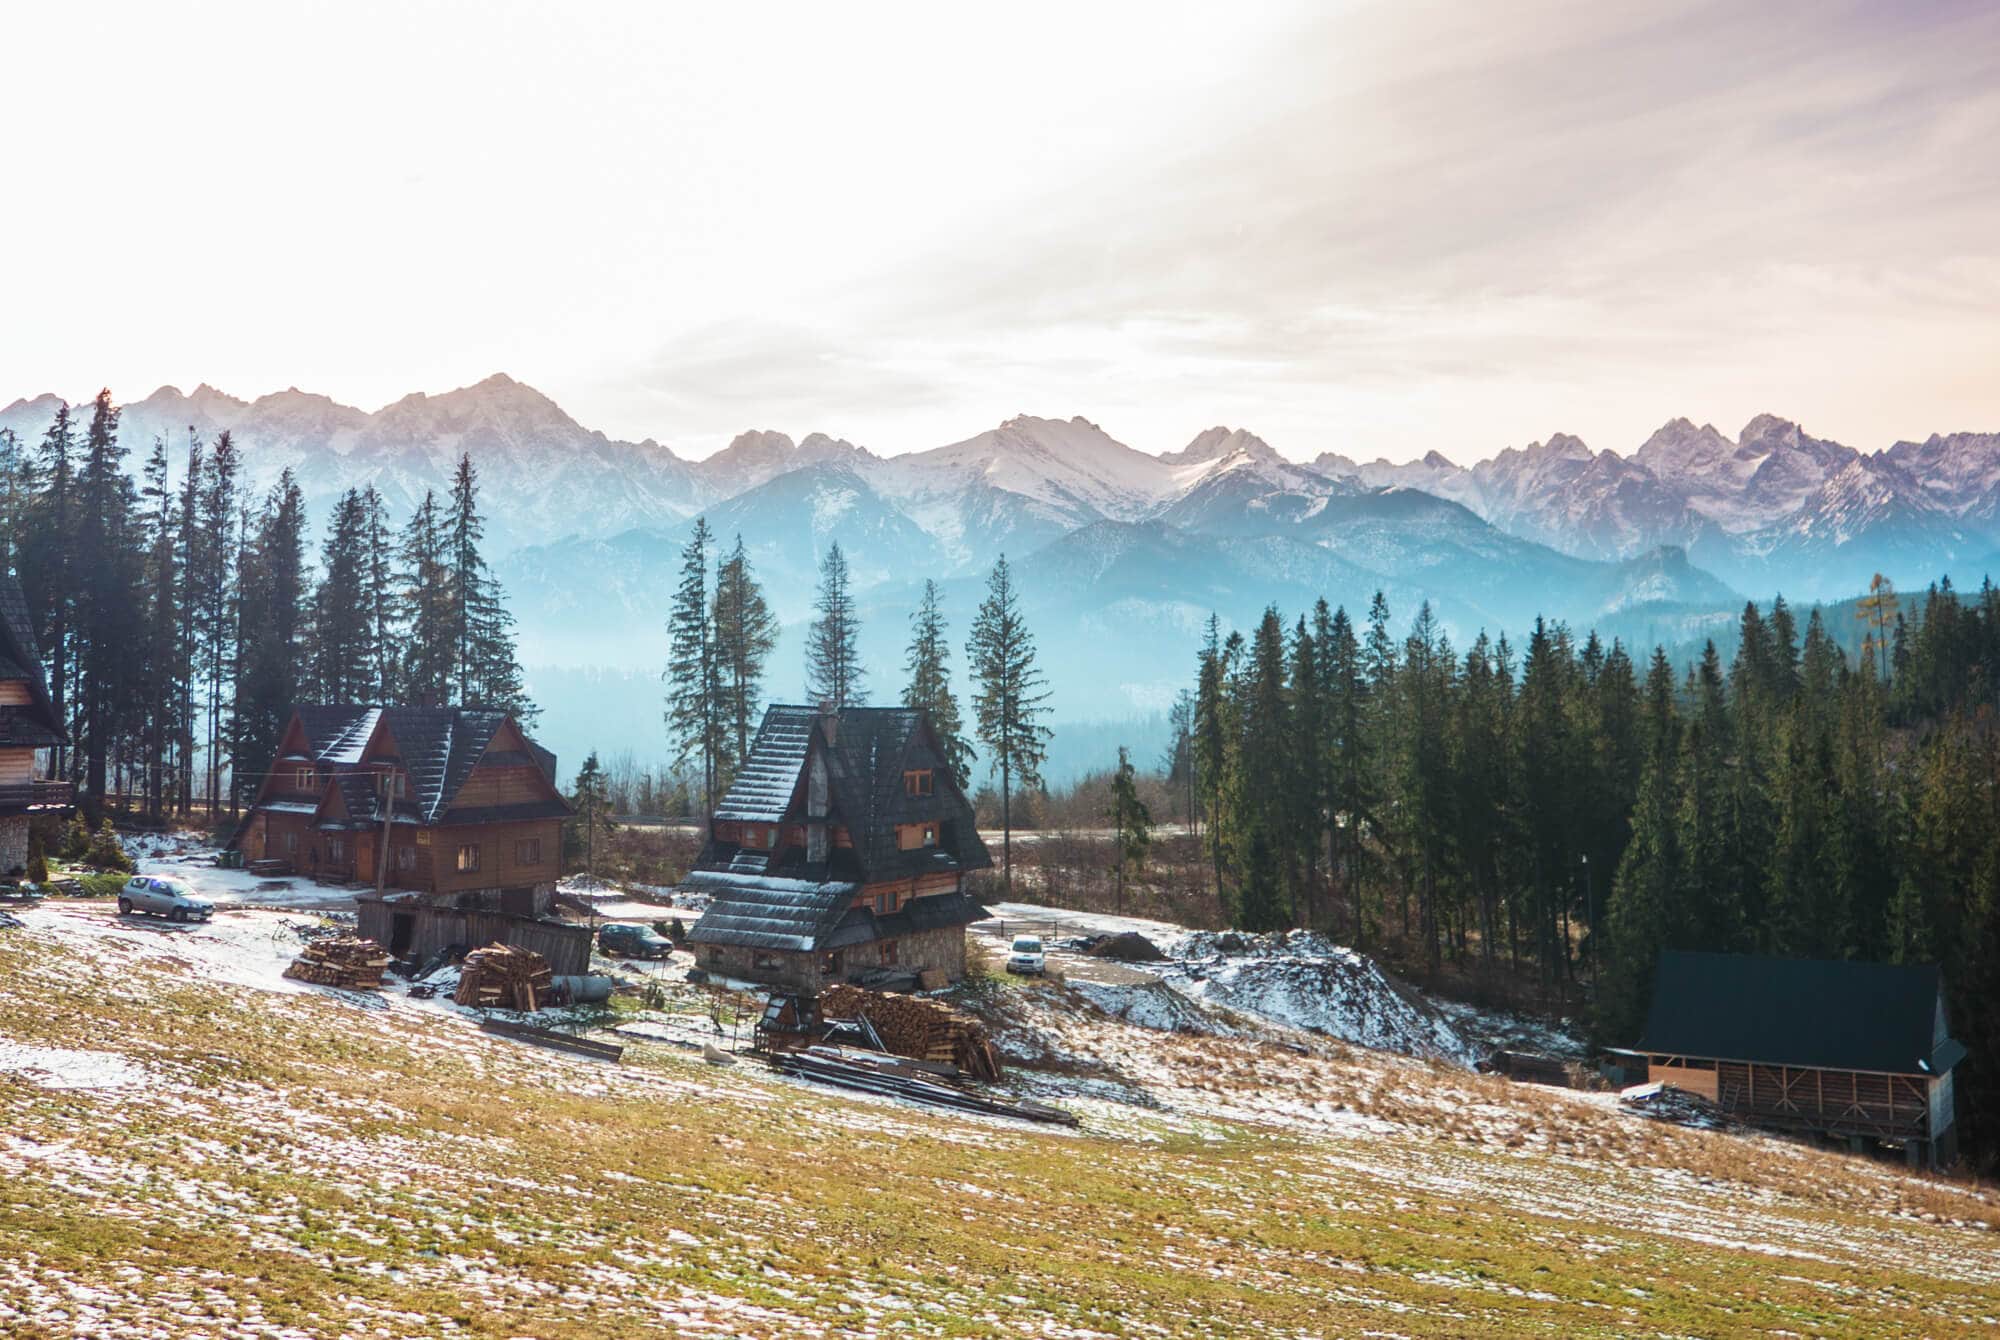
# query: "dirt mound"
{"type": "Point", "coordinates": [1126, 947]}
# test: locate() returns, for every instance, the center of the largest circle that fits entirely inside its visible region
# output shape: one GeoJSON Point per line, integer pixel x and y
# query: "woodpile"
{"type": "Point", "coordinates": [342, 961]}
{"type": "Point", "coordinates": [504, 977]}
{"type": "Point", "coordinates": [922, 1029]}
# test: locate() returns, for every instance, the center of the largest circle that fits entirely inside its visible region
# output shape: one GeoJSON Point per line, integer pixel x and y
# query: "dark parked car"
{"type": "Point", "coordinates": [630, 941]}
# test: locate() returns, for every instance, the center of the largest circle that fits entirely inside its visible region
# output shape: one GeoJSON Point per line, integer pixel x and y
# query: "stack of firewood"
{"type": "Point", "coordinates": [504, 977]}
{"type": "Point", "coordinates": [924, 1029]}
{"type": "Point", "coordinates": [342, 961]}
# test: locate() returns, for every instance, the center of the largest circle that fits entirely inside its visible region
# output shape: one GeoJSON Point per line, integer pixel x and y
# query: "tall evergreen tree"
{"type": "Point", "coordinates": [485, 672]}
{"type": "Point", "coordinates": [426, 610]}
{"type": "Point", "coordinates": [1131, 825]}
{"type": "Point", "coordinates": [590, 800]}
{"type": "Point", "coordinates": [342, 663]}
{"type": "Point", "coordinates": [273, 605]}
{"type": "Point", "coordinates": [161, 656]}
{"type": "Point", "coordinates": [108, 567]}
{"type": "Point", "coordinates": [746, 632]}
{"type": "Point", "coordinates": [928, 665]}
{"type": "Point", "coordinates": [696, 717]}
{"type": "Point", "coordinates": [1009, 699]}
{"type": "Point", "coordinates": [216, 582]}
{"type": "Point", "coordinates": [833, 657]}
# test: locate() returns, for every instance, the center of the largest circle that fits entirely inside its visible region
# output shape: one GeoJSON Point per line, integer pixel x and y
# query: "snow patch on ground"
{"type": "Point", "coordinates": [65, 1068]}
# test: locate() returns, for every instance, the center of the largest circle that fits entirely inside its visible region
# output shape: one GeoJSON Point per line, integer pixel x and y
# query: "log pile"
{"type": "Point", "coordinates": [342, 961]}
{"type": "Point", "coordinates": [922, 1029]}
{"type": "Point", "coordinates": [504, 977]}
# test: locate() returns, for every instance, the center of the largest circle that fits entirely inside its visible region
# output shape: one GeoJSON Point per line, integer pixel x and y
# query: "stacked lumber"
{"type": "Point", "coordinates": [896, 1079]}
{"type": "Point", "coordinates": [504, 977]}
{"type": "Point", "coordinates": [922, 1029]}
{"type": "Point", "coordinates": [342, 961]}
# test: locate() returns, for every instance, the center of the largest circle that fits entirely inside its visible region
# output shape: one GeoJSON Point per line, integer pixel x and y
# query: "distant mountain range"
{"type": "Point", "coordinates": [1122, 553]}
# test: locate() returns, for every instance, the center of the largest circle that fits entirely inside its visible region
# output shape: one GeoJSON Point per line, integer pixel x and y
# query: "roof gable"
{"type": "Point", "coordinates": [33, 723]}
{"type": "Point", "coordinates": [1831, 1014]}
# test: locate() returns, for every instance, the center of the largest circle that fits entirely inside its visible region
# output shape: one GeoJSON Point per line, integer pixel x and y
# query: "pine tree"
{"type": "Point", "coordinates": [592, 805]}
{"type": "Point", "coordinates": [484, 670]}
{"type": "Point", "coordinates": [272, 605]}
{"type": "Point", "coordinates": [343, 666]}
{"type": "Point", "coordinates": [108, 568]}
{"type": "Point", "coordinates": [1131, 825]}
{"type": "Point", "coordinates": [1214, 745]}
{"type": "Point", "coordinates": [1646, 913]}
{"type": "Point", "coordinates": [216, 589]}
{"type": "Point", "coordinates": [746, 632]}
{"type": "Point", "coordinates": [47, 546]}
{"type": "Point", "coordinates": [192, 548]}
{"type": "Point", "coordinates": [1009, 699]}
{"type": "Point", "coordinates": [928, 664]}
{"type": "Point", "coordinates": [162, 644]}
{"type": "Point", "coordinates": [696, 717]}
{"type": "Point", "coordinates": [425, 597]}
{"type": "Point", "coordinates": [378, 598]}
{"type": "Point", "coordinates": [833, 659]}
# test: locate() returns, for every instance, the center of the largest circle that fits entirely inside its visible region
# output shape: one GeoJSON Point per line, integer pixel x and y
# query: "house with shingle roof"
{"type": "Point", "coordinates": [839, 854]}
{"type": "Point", "coordinates": [28, 724]}
{"type": "Point", "coordinates": [451, 814]}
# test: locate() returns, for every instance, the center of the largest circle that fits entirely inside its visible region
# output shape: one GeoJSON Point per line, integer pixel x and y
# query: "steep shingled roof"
{"type": "Point", "coordinates": [1836, 1015]}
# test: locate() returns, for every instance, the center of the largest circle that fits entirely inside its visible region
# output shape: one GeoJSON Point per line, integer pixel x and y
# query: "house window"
{"type": "Point", "coordinates": [830, 963]}
{"type": "Point", "coordinates": [468, 857]}
{"type": "Point", "coordinates": [336, 849]}
{"type": "Point", "coordinates": [930, 836]}
{"type": "Point", "coordinates": [528, 851]}
{"type": "Point", "coordinates": [888, 953]}
{"type": "Point", "coordinates": [304, 778]}
{"type": "Point", "coordinates": [768, 962]}
{"type": "Point", "coordinates": [771, 838]}
{"type": "Point", "coordinates": [406, 858]}
{"type": "Point", "coordinates": [291, 844]}
{"type": "Point", "coordinates": [917, 782]}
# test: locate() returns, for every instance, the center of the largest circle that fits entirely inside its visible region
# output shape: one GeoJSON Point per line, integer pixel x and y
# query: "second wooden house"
{"type": "Point", "coordinates": [839, 854]}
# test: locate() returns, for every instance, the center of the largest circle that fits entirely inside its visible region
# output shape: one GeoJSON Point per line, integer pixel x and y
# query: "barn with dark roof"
{"type": "Point", "coordinates": [452, 816]}
{"type": "Point", "coordinates": [1840, 1048]}
{"type": "Point", "coordinates": [839, 854]}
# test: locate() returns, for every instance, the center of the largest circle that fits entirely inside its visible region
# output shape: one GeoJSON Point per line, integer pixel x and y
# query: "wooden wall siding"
{"type": "Point", "coordinates": [14, 693]}
{"type": "Point", "coordinates": [498, 867]}
{"type": "Point", "coordinates": [942, 949]}
{"type": "Point", "coordinates": [1844, 1101]}
{"type": "Point", "coordinates": [567, 948]}
{"type": "Point", "coordinates": [1686, 1079]}
{"type": "Point", "coordinates": [16, 766]}
{"type": "Point", "coordinates": [489, 785]}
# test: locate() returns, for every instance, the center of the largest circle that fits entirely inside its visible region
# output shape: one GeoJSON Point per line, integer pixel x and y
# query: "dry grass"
{"type": "Point", "coordinates": [299, 1165]}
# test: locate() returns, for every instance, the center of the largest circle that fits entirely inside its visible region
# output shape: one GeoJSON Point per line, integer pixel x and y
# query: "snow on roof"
{"type": "Point", "coordinates": [764, 787]}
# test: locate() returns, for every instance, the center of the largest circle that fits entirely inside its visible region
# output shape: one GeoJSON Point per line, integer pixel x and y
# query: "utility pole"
{"type": "Point", "coordinates": [387, 786]}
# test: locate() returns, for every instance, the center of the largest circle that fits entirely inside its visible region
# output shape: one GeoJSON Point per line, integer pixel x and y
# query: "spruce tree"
{"type": "Point", "coordinates": [746, 632]}
{"type": "Point", "coordinates": [426, 610]}
{"type": "Point", "coordinates": [273, 604]}
{"type": "Point", "coordinates": [217, 595]}
{"type": "Point", "coordinates": [343, 649]}
{"type": "Point", "coordinates": [1009, 699]}
{"type": "Point", "coordinates": [591, 802]}
{"type": "Point", "coordinates": [378, 598]}
{"type": "Point", "coordinates": [1131, 825]}
{"type": "Point", "coordinates": [108, 567]}
{"type": "Point", "coordinates": [928, 664]}
{"type": "Point", "coordinates": [160, 657]}
{"type": "Point", "coordinates": [485, 672]}
{"type": "Point", "coordinates": [833, 658]}
{"type": "Point", "coordinates": [192, 549]}
{"type": "Point", "coordinates": [696, 718]}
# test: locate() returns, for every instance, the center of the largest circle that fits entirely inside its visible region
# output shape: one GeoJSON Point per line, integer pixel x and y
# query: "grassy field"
{"type": "Point", "coordinates": [237, 1162]}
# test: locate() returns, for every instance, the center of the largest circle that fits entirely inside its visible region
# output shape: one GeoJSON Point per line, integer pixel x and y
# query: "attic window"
{"type": "Point", "coordinates": [305, 779]}
{"type": "Point", "coordinates": [930, 836]}
{"type": "Point", "coordinates": [917, 782]}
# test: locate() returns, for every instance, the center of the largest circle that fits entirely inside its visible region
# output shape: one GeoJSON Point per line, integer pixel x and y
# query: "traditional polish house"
{"type": "Point", "coordinates": [839, 854]}
{"type": "Point", "coordinates": [451, 815]}
{"type": "Point", "coordinates": [1853, 1050]}
{"type": "Point", "coordinates": [28, 724]}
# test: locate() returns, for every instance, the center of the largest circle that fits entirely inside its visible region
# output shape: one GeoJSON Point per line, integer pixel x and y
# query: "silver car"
{"type": "Point", "coordinates": [163, 898]}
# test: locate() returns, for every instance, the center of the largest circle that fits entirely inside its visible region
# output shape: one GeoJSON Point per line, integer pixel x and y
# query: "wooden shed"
{"type": "Point", "coordinates": [1838, 1048]}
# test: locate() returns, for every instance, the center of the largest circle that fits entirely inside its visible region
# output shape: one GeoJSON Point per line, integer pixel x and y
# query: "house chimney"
{"type": "Point", "coordinates": [829, 721]}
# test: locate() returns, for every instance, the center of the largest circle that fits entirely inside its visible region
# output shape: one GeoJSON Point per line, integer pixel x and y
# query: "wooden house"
{"type": "Point", "coordinates": [28, 724]}
{"type": "Point", "coordinates": [839, 854]}
{"type": "Point", "coordinates": [450, 817]}
{"type": "Point", "coordinates": [1838, 1048]}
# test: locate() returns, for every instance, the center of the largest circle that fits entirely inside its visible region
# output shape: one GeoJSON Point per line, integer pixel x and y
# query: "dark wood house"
{"type": "Point", "coordinates": [449, 817]}
{"type": "Point", "coordinates": [1838, 1048]}
{"type": "Point", "coordinates": [839, 854]}
{"type": "Point", "coordinates": [28, 724]}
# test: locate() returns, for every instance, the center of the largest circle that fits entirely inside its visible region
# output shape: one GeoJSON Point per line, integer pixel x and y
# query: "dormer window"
{"type": "Point", "coordinates": [305, 779]}
{"type": "Point", "coordinates": [917, 782]}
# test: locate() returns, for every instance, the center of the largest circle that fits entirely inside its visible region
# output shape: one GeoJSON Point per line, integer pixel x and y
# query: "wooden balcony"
{"type": "Point", "coordinates": [22, 797]}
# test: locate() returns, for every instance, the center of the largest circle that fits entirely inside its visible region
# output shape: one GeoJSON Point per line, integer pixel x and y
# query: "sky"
{"type": "Point", "coordinates": [1377, 229]}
